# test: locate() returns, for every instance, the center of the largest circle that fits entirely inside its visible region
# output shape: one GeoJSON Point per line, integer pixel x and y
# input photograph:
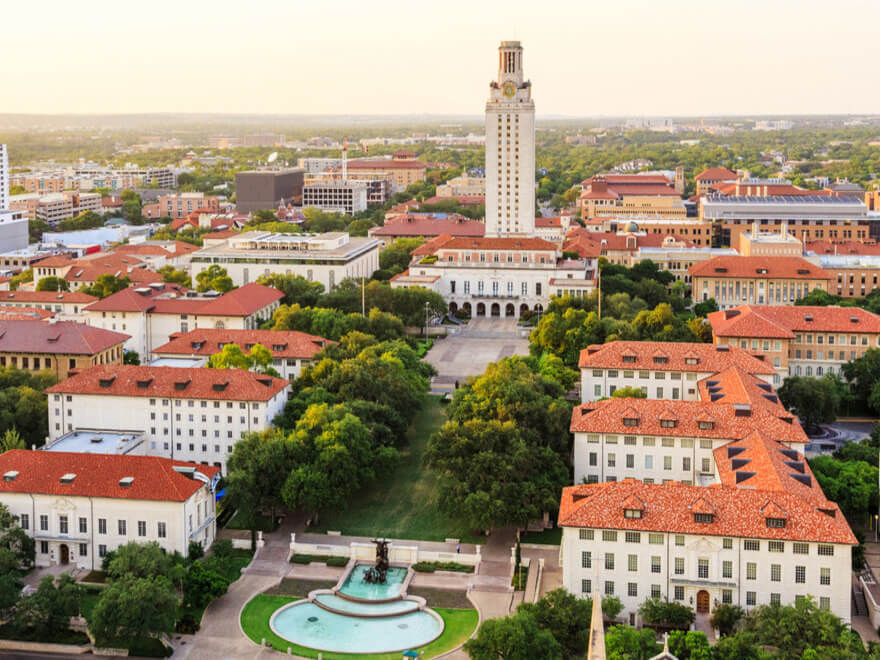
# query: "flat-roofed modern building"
{"type": "Point", "coordinates": [326, 258]}
{"type": "Point", "coordinates": [79, 506]}
{"type": "Point", "coordinates": [337, 196]}
{"type": "Point", "coordinates": [267, 189]}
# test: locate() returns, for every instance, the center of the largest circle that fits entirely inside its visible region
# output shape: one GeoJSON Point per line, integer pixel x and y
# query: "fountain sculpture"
{"type": "Point", "coordinates": [377, 574]}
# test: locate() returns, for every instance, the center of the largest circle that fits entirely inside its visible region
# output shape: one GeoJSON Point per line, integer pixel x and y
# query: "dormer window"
{"type": "Point", "coordinates": [630, 421]}
{"type": "Point", "coordinates": [704, 517]}
{"type": "Point", "coordinates": [106, 382]}
{"type": "Point", "coordinates": [775, 522]}
{"type": "Point", "coordinates": [706, 425]}
{"type": "Point", "coordinates": [668, 423]}
{"type": "Point", "coordinates": [628, 358]}
{"type": "Point", "coordinates": [691, 360]}
{"type": "Point", "coordinates": [632, 513]}
{"type": "Point", "coordinates": [660, 359]}
{"type": "Point", "coordinates": [68, 478]}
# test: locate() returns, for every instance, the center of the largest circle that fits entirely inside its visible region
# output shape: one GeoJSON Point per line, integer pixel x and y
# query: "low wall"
{"type": "Point", "coordinates": [242, 544]}
{"type": "Point", "coordinates": [873, 606]}
{"type": "Point", "coordinates": [397, 553]}
{"type": "Point", "coordinates": [110, 651]}
{"type": "Point", "coordinates": [43, 647]}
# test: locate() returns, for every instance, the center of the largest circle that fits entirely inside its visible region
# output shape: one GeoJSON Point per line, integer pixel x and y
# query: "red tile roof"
{"type": "Point", "coordinates": [208, 341]}
{"type": "Point", "coordinates": [431, 246]}
{"type": "Point", "coordinates": [139, 299]}
{"type": "Point", "coordinates": [716, 174]}
{"type": "Point", "coordinates": [386, 164]}
{"type": "Point", "coordinates": [616, 186]}
{"type": "Point", "coordinates": [708, 357]}
{"type": "Point", "coordinates": [61, 337]}
{"type": "Point", "coordinates": [498, 244]}
{"type": "Point", "coordinates": [60, 297]}
{"type": "Point", "coordinates": [24, 313]}
{"type": "Point", "coordinates": [782, 321]}
{"type": "Point", "coordinates": [548, 222]}
{"type": "Point", "coordinates": [590, 243]}
{"type": "Point", "coordinates": [607, 416]}
{"type": "Point", "coordinates": [750, 267]}
{"type": "Point", "coordinates": [844, 247]}
{"type": "Point", "coordinates": [422, 225]}
{"type": "Point", "coordinates": [471, 200]}
{"type": "Point", "coordinates": [98, 475]}
{"type": "Point", "coordinates": [243, 301]}
{"type": "Point", "coordinates": [668, 508]}
{"type": "Point", "coordinates": [172, 382]}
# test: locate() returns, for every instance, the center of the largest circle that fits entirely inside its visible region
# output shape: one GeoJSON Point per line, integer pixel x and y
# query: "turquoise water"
{"type": "Point", "coordinates": [355, 586]}
{"type": "Point", "coordinates": [372, 609]}
{"type": "Point", "coordinates": [309, 625]}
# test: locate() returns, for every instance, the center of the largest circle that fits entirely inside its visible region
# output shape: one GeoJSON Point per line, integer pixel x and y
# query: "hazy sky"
{"type": "Point", "coordinates": [586, 57]}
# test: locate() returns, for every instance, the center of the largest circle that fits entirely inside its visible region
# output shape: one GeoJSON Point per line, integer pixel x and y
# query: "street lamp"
{"type": "Point", "coordinates": [427, 307]}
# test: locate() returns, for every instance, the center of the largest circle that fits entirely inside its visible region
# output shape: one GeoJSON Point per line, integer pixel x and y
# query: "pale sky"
{"type": "Point", "coordinates": [584, 58]}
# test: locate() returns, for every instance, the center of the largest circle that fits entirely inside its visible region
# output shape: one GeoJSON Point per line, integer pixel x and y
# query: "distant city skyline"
{"type": "Point", "coordinates": [637, 58]}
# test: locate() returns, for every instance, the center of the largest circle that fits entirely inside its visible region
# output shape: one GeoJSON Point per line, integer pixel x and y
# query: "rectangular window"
{"type": "Point", "coordinates": [633, 537]}
{"type": "Point", "coordinates": [586, 560]}
{"type": "Point", "coordinates": [142, 527]}
{"type": "Point", "coordinates": [102, 525]}
{"type": "Point", "coordinates": [586, 534]}
{"type": "Point", "coordinates": [825, 576]}
{"type": "Point", "coordinates": [776, 546]}
{"type": "Point", "coordinates": [775, 572]}
{"type": "Point", "coordinates": [800, 574]}
{"type": "Point", "coordinates": [609, 588]}
{"type": "Point", "coordinates": [83, 525]}
{"type": "Point", "coordinates": [754, 546]}
{"type": "Point", "coordinates": [632, 589]}
{"type": "Point", "coordinates": [83, 549]}
{"type": "Point", "coordinates": [655, 591]}
{"type": "Point", "coordinates": [800, 548]}
{"type": "Point", "coordinates": [25, 521]}
{"type": "Point", "coordinates": [678, 593]}
{"type": "Point", "coordinates": [726, 596]}
{"type": "Point", "coordinates": [679, 565]}
{"type": "Point", "coordinates": [825, 603]}
{"type": "Point", "coordinates": [775, 599]}
{"type": "Point", "coordinates": [750, 598]}
{"type": "Point", "coordinates": [122, 528]}
{"type": "Point", "coordinates": [751, 571]}
{"type": "Point", "coordinates": [102, 550]}
{"type": "Point", "coordinates": [62, 524]}
{"type": "Point", "coordinates": [586, 586]}
{"type": "Point", "coordinates": [160, 530]}
{"type": "Point", "coordinates": [727, 543]}
{"type": "Point", "coordinates": [679, 539]}
{"type": "Point", "coordinates": [44, 523]}
{"type": "Point", "coordinates": [703, 568]}
{"type": "Point", "coordinates": [655, 564]}
{"type": "Point", "coordinates": [825, 550]}
{"type": "Point", "coordinates": [727, 569]}
{"type": "Point", "coordinates": [44, 547]}
{"type": "Point", "coordinates": [632, 563]}
{"type": "Point", "coordinates": [609, 536]}
{"type": "Point", "coordinates": [655, 539]}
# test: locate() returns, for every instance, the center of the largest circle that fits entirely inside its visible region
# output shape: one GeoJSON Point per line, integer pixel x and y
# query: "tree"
{"type": "Point", "coordinates": [131, 607]}
{"type": "Point", "coordinates": [690, 645]}
{"type": "Point", "coordinates": [703, 309]}
{"type": "Point", "coordinates": [665, 613]}
{"type": "Point", "coordinates": [214, 278]}
{"type": "Point", "coordinates": [396, 257]}
{"type": "Point", "coordinates": [107, 285]}
{"type": "Point", "coordinates": [629, 393]}
{"type": "Point", "coordinates": [564, 616]}
{"type": "Point", "coordinates": [23, 406]}
{"type": "Point", "coordinates": [47, 612]}
{"type": "Point", "coordinates": [625, 643]}
{"type": "Point", "coordinates": [22, 278]}
{"type": "Point", "coordinates": [141, 560]}
{"type": "Point", "coordinates": [725, 617]}
{"type": "Point", "coordinates": [813, 400]}
{"type": "Point", "coordinates": [131, 357]}
{"type": "Point", "coordinates": [202, 585]}
{"type": "Point", "coordinates": [12, 440]}
{"type": "Point", "coordinates": [174, 276]}
{"type": "Point", "coordinates": [230, 357]}
{"type": "Point", "coordinates": [852, 484]}
{"type": "Point", "coordinates": [297, 290]}
{"type": "Point", "coordinates": [864, 375]}
{"type": "Point", "coordinates": [17, 548]}
{"type": "Point", "coordinates": [512, 638]}
{"type": "Point", "coordinates": [53, 283]}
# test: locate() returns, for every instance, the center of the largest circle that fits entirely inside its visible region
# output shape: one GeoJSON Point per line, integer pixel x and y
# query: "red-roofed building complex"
{"type": "Point", "coordinates": [151, 314]}
{"type": "Point", "coordinates": [57, 346]}
{"type": "Point", "coordinates": [427, 225]}
{"type": "Point", "coordinates": [712, 176]}
{"type": "Point", "coordinates": [193, 414]}
{"type": "Point", "coordinates": [702, 502]}
{"type": "Point", "coordinates": [737, 280]}
{"type": "Point", "coordinates": [627, 195]}
{"type": "Point", "coordinates": [291, 350]}
{"type": "Point", "coordinates": [62, 304]}
{"type": "Point", "coordinates": [79, 506]}
{"type": "Point", "coordinates": [798, 341]}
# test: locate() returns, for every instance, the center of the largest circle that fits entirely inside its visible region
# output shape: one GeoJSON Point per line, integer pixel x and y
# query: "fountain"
{"type": "Point", "coordinates": [378, 574]}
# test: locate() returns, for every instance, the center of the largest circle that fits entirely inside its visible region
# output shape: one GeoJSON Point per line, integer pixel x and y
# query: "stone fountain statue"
{"type": "Point", "coordinates": [377, 574]}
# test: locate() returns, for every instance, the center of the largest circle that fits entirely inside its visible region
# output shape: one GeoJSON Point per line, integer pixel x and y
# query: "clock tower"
{"type": "Point", "coordinates": [510, 148]}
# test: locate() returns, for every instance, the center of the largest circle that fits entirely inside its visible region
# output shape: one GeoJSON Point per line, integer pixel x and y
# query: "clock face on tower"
{"type": "Point", "coordinates": [509, 90]}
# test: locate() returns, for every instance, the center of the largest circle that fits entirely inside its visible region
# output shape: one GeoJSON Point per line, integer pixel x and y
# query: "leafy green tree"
{"type": "Point", "coordinates": [256, 472]}
{"type": "Point", "coordinates": [625, 643]}
{"type": "Point", "coordinates": [174, 276]}
{"type": "Point", "coordinates": [858, 451]}
{"type": "Point", "coordinates": [703, 309]}
{"type": "Point", "coordinates": [47, 612]}
{"type": "Point", "coordinates": [202, 585]}
{"type": "Point", "coordinates": [297, 290]}
{"type": "Point", "coordinates": [16, 546]}
{"type": "Point", "coordinates": [131, 357]}
{"type": "Point", "coordinates": [396, 257]}
{"type": "Point", "coordinates": [23, 406]}
{"type": "Point", "coordinates": [741, 646]}
{"type": "Point", "coordinates": [512, 638]}
{"type": "Point", "coordinates": [12, 440]}
{"type": "Point", "coordinates": [813, 400]}
{"type": "Point", "coordinates": [214, 278]}
{"type": "Point", "coordinates": [131, 607]}
{"type": "Point", "coordinates": [852, 484]}
{"type": "Point", "coordinates": [668, 614]}
{"type": "Point", "coordinates": [22, 278]}
{"type": "Point", "coordinates": [864, 375]}
{"type": "Point", "coordinates": [629, 393]}
{"type": "Point", "coordinates": [142, 560]}
{"type": "Point", "coordinates": [564, 616]}
{"type": "Point", "coordinates": [10, 593]}
{"type": "Point", "coordinates": [690, 645]}
{"type": "Point", "coordinates": [230, 357]}
{"type": "Point", "coordinates": [107, 285]}
{"type": "Point", "coordinates": [53, 283]}
{"type": "Point", "coordinates": [725, 618]}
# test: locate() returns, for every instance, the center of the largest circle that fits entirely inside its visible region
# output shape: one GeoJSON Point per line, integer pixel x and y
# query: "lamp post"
{"type": "Point", "coordinates": [427, 307]}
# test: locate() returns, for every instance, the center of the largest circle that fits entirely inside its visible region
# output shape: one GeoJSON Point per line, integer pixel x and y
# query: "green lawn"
{"type": "Point", "coordinates": [264, 523]}
{"type": "Point", "coordinates": [459, 625]}
{"type": "Point", "coordinates": [403, 504]}
{"type": "Point", "coordinates": [547, 537]}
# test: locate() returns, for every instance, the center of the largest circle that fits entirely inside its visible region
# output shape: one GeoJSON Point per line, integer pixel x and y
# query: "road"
{"type": "Point", "coordinates": [845, 432]}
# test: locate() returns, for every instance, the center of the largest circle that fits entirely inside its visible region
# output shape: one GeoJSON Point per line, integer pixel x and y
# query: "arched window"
{"type": "Point", "coordinates": [797, 370]}
{"type": "Point", "coordinates": [219, 325]}
{"type": "Point", "coordinates": [809, 371]}
{"type": "Point", "coordinates": [818, 371]}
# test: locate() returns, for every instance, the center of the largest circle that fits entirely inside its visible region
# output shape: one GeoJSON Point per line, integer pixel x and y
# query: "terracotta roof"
{"type": "Point", "coordinates": [736, 512]}
{"type": "Point", "coordinates": [640, 355]}
{"type": "Point", "coordinates": [590, 243]}
{"type": "Point", "coordinates": [422, 225]}
{"type": "Point", "coordinates": [61, 337]}
{"type": "Point", "coordinates": [473, 200]}
{"type": "Point", "coordinates": [226, 233]}
{"type": "Point", "coordinates": [548, 222]}
{"type": "Point", "coordinates": [56, 261]}
{"type": "Point", "coordinates": [99, 475]}
{"type": "Point", "coordinates": [731, 422]}
{"type": "Point", "coordinates": [736, 189]}
{"type": "Point", "coordinates": [208, 341]}
{"type": "Point", "coordinates": [173, 382]}
{"type": "Point", "coordinates": [243, 301]}
{"type": "Point", "coordinates": [24, 313]}
{"type": "Point", "coordinates": [431, 246]}
{"type": "Point", "coordinates": [139, 299]}
{"type": "Point", "coordinates": [715, 174]}
{"type": "Point", "coordinates": [842, 248]}
{"type": "Point", "coordinates": [386, 164]}
{"type": "Point", "coordinates": [498, 244]}
{"type": "Point", "coordinates": [783, 321]}
{"type": "Point", "coordinates": [759, 268]}
{"type": "Point", "coordinates": [60, 297]}
{"type": "Point", "coordinates": [613, 186]}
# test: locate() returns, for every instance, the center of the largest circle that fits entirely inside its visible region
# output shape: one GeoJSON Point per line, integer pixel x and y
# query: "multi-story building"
{"type": "Point", "coordinates": [714, 175]}
{"type": "Point", "coordinates": [733, 281]}
{"type": "Point", "coordinates": [192, 414]}
{"type": "Point", "coordinates": [757, 243]}
{"type": "Point", "coordinates": [427, 225]}
{"type": "Point", "coordinates": [77, 507]}
{"type": "Point", "coordinates": [662, 370]}
{"type": "Point", "coordinates": [326, 258]}
{"type": "Point", "coordinates": [180, 205]}
{"type": "Point", "coordinates": [695, 232]}
{"type": "Point", "coordinates": [56, 206]}
{"type": "Point", "coordinates": [57, 346]}
{"type": "Point", "coordinates": [349, 196]}
{"type": "Point", "coordinates": [122, 178]}
{"type": "Point", "coordinates": [622, 195]}
{"type": "Point", "coordinates": [677, 257]}
{"type": "Point", "coordinates": [85, 271]}
{"type": "Point", "coordinates": [315, 165]}
{"type": "Point", "coordinates": [291, 350]}
{"type": "Point", "coordinates": [510, 148]}
{"type": "Point", "coordinates": [151, 314]}
{"type": "Point", "coordinates": [267, 189]}
{"type": "Point", "coordinates": [798, 341]}
{"type": "Point", "coordinates": [463, 186]}
{"type": "Point", "coordinates": [64, 305]}
{"type": "Point", "coordinates": [400, 171]}
{"type": "Point", "coordinates": [4, 178]}
{"type": "Point", "coordinates": [807, 217]}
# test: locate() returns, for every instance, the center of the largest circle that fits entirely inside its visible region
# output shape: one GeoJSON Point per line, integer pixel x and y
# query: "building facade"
{"type": "Point", "coordinates": [510, 148]}
{"type": "Point", "coordinates": [267, 189]}
{"type": "Point", "coordinates": [78, 507]}
{"type": "Point", "coordinates": [463, 186]}
{"type": "Point", "coordinates": [191, 414]}
{"type": "Point", "coordinates": [336, 196]}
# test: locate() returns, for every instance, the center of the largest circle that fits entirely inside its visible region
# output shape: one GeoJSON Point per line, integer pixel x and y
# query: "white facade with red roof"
{"type": "Point", "coordinates": [192, 414]}
{"type": "Point", "coordinates": [151, 314]}
{"type": "Point", "coordinates": [78, 507]}
{"type": "Point", "coordinates": [64, 305]}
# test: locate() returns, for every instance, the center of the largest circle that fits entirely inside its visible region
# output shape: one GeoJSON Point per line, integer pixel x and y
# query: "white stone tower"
{"type": "Point", "coordinates": [510, 148]}
{"type": "Point", "coordinates": [4, 178]}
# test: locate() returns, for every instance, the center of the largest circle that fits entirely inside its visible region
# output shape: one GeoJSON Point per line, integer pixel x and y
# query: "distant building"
{"type": "Point", "coordinates": [769, 244]}
{"type": "Point", "coordinates": [773, 125]}
{"type": "Point", "coordinates": [55, 207]}
{"type": "Point", "coordinates": [630, 195]}
{"type": "Point", "coordinates": [180, 205]}
{"type": "Point", "coordinates": [712, 176]}
{"type": "Point", "coordinates": [266, 189]}
{"type": "Point", "coordinates": [401, 172]}
{"type": "Point", "coordinates": [4, 178]}
{"type": "Point", "coordinates": [427, 225]}
{"type": "Point", "coordinates": [348, 197]}
{"type": "Point", "coordinates": [316, 165]}
{"type": "Point", "coordinates": [463, 186]}
{"type": "Point", "coordinates": [64, 305]}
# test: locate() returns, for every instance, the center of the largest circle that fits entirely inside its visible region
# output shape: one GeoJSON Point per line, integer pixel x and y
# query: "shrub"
{"type": "Point", "coordinates": [187, 625]}
{"type": "Point", "coordinates": [431, 566]}
{"type": "Point", "coordinates": [222, 548]}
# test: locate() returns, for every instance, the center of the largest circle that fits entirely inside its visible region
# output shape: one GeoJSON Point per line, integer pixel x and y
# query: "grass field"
{"type": "Point", "coordinates": [459, 625]}
{"type": "Point", "coordinates": [547, 537]}
{"type": "Point", "coordinates": [403, 504]}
